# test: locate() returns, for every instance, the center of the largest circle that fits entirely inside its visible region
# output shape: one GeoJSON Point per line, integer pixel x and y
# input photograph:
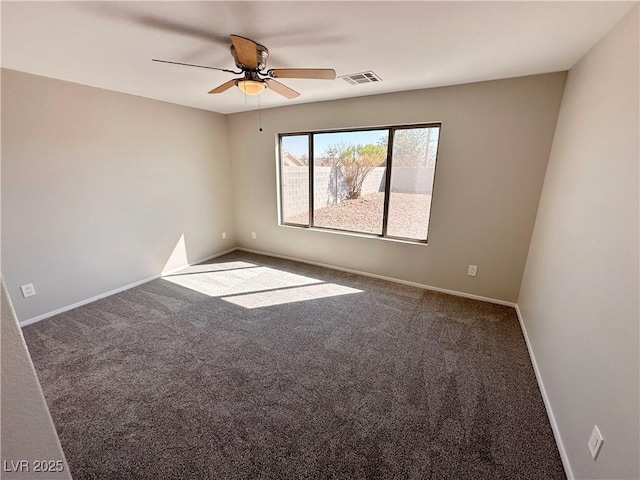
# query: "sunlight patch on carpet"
{"type": "Point", "coordinates": [239, 280]}
{"type": "Point", "coordinates": [290, 295]}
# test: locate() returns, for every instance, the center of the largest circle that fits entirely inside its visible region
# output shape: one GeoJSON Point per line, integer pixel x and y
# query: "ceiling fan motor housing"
{"type": "Point", "coordinates": [261, 52]}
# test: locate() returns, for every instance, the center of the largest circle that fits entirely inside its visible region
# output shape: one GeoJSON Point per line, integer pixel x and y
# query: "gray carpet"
{"type": "Point", "coordinates": [253, 367]}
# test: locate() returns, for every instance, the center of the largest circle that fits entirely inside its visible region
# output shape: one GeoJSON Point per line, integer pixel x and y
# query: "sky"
{"type": "Point", "coordinates": [297, 145]}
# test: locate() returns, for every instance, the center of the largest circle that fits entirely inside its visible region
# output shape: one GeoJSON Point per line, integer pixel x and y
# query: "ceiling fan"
{"type": "Point", "coordinates": [251, 58]}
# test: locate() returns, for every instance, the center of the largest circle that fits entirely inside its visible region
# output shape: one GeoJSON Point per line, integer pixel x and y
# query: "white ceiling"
{"type": "Point", "coordinates": [409, 45]}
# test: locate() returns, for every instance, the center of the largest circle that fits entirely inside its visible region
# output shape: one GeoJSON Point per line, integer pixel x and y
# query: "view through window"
{"type": "Point", "coordinates": [377, 181]}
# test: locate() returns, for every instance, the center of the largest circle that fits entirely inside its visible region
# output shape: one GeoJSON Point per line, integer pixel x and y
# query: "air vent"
{"type": "Point", "coordinates": [364, 77]}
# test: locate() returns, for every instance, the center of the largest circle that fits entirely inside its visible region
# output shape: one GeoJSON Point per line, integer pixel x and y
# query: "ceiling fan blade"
{"type": "Point", "coordinates": [281, 89]}
{"type": "Point", "coordinates": [224, 87]}
{"type": "Point", "coordinates": [246, 50]}
{"type": "Point", "coordinates": [319, 73]}
{"type": "Point", "coordinates": [194, 65]}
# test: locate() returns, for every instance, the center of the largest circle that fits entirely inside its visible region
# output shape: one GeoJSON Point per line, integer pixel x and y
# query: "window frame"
{"type": "Point", "coordinates": [387, 187]}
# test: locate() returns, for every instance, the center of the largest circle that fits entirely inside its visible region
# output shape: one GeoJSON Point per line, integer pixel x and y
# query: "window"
{"type": "Point", "coordinates": [376, 181]}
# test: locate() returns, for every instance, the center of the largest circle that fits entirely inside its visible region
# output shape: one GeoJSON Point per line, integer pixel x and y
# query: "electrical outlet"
{"type": "Point", "coordinates": [253, 235]}
{"type": "Point", "coordinates": [224, 235]}
{"type": "Point", "coordinates": [473, 270]}
{"type": "Point", "coordinates": [28, 290]}
{"type": "Point", "coordinates": [595, 442]}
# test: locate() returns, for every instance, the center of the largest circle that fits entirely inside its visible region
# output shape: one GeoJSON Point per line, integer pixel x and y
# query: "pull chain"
{"type": "Point", "coordinates": [259, 113]}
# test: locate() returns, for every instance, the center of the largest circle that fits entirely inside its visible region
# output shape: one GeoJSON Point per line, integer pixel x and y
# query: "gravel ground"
{"type": "Point", "coordinates": [408, 215]}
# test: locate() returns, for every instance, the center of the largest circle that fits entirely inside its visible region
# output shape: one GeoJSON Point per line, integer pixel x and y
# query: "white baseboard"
{"type": "Point", "coordinates": [66, 308]}
{"type": "Point", "coordinates": [57, 311]}
{"type": "Point", "coordinates": [382, 277]}
{"type": "Point", "coordinates": [545, 399]}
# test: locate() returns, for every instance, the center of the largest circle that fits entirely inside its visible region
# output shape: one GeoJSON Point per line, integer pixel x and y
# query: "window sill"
{"type": "Point", "coordinates": [356, 234]}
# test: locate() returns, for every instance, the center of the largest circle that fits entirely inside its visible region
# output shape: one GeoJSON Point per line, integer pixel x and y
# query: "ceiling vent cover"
{"type": "Point", "coordinates": [363, 77]}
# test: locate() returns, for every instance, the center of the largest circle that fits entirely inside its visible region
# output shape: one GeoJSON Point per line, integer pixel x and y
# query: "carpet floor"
{"type": "Point", "coordinates": [251, 367]}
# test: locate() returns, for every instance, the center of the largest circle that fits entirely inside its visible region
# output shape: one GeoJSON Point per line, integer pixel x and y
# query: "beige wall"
{"type": "Point", "coordinates": [494, 146]}
{"type": "Point", "coordinates": [102, 189]}
{"type": "Point", "coordinates": [579, 298]}
{"type": "Point", "coordinates": [27, 433]}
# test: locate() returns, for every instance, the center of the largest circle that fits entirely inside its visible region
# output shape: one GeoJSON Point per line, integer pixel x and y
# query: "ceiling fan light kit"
{"type": "Point", "coordinates": [251, 87]}
{"type": "Point", "coordinates": [251, 58]}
